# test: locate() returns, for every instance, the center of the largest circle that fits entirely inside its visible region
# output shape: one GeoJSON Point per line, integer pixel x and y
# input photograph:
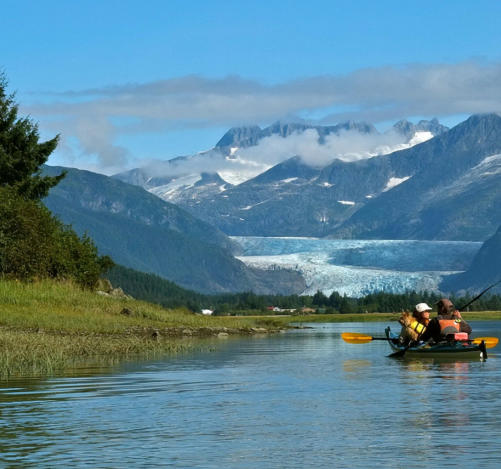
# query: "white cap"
{"type": "Point", "coordinates": [421, 307]}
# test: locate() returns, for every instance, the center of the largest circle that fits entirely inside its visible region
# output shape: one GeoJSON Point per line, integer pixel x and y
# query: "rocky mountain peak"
{"type": "Point", "coordinates": [480, 130]}
{"type": "Point", "coordinates": [408, 129]}
{"type": "Point", "coordinates": [240, 137]}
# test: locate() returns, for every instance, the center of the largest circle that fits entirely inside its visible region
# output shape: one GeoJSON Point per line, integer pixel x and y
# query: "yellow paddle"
{"type": "Point", "coordinates": [489, 342]}
{"type": "Point", "coordinates": [358, 338]}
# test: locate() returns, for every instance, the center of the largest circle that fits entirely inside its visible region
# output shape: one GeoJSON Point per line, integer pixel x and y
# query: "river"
{"type": "Point", "coordinates": [301, 399]}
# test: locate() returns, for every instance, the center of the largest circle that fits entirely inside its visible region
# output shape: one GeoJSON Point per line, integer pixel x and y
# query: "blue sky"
{"type": "Point", "coordinates": [127, 80]}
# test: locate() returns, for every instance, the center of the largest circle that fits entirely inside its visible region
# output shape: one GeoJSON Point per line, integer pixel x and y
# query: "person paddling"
{"type": "Point", "coordinates": [413, 326]}
{"type": "Point", "coordinates": [448, 324]}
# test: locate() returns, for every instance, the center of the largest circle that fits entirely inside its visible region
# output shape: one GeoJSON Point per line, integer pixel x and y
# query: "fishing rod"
{"type": "Point", "coordinates": [478, 296]}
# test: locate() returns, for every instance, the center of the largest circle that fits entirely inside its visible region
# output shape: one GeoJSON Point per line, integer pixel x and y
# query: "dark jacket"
{"type": "Point", "coordinates": [433, 331]}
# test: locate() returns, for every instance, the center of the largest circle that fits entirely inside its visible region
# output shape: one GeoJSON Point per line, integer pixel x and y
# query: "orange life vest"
{"type": "Point", "coordinates": [449, 326]}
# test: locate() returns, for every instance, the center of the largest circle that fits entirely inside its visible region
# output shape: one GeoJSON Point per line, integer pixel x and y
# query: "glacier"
{"type": "Point", "coordinates": [359, 267]}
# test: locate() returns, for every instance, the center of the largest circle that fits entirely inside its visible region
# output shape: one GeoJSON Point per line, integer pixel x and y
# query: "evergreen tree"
{"type": "Point", "coordinates": [319, 299]}
{"type": "Point", "coordinates": [21, 153]}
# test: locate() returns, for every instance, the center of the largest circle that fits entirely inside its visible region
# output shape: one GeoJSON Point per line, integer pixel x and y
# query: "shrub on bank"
{"type": "Point", "coordinates": [35, 244]}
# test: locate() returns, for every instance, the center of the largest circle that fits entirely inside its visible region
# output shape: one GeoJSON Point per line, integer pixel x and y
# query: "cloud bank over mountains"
{"type": "Point", "coordinates": [92, 121]}
{"type": "Point", "coordinates": [348, 145]}
{"type": "Point", "coordinates": [247, 162]}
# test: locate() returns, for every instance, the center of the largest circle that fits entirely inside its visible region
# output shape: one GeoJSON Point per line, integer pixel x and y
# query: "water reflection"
{"type": "Point", "coordinates": [355, 365]}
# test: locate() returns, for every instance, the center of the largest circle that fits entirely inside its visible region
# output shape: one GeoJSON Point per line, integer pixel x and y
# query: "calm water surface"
{"type": "Point", "coordinates": [301, 399]}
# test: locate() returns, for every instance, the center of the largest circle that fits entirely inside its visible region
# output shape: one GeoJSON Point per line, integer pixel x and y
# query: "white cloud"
{"type": "Point", "coordinates": [246, 163]}
{"type": "Point", "coordinates": [349, 145]}
{"type": "Point", "coordinates": [96, 117]}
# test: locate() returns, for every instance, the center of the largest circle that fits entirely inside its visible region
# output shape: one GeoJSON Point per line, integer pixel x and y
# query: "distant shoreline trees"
{"type": "Point", "coordinates": [155, 289]}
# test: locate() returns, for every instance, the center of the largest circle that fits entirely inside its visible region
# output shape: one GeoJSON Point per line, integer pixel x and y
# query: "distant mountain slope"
{"type": "Point", "coordinates": [277, 202]}
{"type": "Point", "coordinates": [450, 188]}
{"type": "Point", "coordinates": [140, 231]}
{"type": "Point", "coordinates": [483, 271]}
{"type": "Point", "coordinates": [101, 194]}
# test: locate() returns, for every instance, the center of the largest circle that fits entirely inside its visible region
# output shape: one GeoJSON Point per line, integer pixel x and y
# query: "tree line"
{"type": "Point", "coordinates": [152, 288]}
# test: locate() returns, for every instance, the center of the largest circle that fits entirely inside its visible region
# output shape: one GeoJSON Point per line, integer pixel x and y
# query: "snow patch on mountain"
{"type": "Point", "coordinates": [420, 137]}
{"type": "Point", "coordinates": [393, 182]}
{"type": "Point", "coordinates": [249, 207]}
{"type": "Point", "coordinates": [237, 170]}
{"type": "Point", "coordinates": [489, 167]}
{"type": "Point", "coordinates": [181, 183]}
{"type": "Point", "coordinates": [416, 139]}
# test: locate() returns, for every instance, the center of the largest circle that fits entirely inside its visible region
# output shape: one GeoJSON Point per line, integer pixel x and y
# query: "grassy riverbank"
{"type": "Point", "coordinates": [47, 325]}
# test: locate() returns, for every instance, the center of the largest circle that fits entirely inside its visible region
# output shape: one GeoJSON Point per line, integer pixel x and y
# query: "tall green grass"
{"type": "Point", "coordinates": [41, 353]}
{"type": "Point", "coordinates": [63, 307]}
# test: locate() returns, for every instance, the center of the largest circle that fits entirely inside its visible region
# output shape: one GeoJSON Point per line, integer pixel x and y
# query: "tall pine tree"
{"type": "Point", "coordinates": [21, 153]}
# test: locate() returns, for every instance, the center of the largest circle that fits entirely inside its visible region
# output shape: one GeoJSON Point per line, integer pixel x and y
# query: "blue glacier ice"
{"type": "Point", "coordinates": [359, 267]}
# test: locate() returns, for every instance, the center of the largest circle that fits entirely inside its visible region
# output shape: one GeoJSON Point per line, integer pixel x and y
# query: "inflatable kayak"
{"type": "Point", "coordinates": [449, 349]}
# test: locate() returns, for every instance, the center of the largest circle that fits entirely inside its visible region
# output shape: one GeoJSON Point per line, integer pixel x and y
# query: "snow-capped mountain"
{"type": "Point", "coordinates": [420, 129]}
{"type": "Point", "coordinates": [448, 187]}
{"type": "Point", "coordinates": [246, 152]}
{"type": "Point", "coordinates": [345, 181]}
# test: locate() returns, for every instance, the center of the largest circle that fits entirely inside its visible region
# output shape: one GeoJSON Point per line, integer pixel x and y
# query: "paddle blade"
{"type": "Point", "coordinates": [356, 338]}
{"type": "Point", "coordinates": [490, 342]}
